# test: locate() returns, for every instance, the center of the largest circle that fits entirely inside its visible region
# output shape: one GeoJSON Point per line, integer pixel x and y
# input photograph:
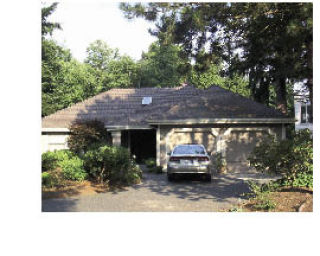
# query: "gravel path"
{"type": "Point", "coordinates": [156, 194]}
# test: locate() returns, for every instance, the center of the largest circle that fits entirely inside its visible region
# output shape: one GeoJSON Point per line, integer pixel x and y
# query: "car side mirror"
{"type": "Point", "coordinates": [169, 153]}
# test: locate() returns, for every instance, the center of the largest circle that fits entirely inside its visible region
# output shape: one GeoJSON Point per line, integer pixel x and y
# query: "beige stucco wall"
{"type": "Point", "coordinates": [235, 142]}
{"type": "Point", "coordinates": [172, 136]}
{"type": "Point", "coordinates": [53, 141]}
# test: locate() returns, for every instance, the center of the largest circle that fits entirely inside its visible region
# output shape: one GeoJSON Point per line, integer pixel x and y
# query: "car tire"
{"type": "Point", "coordinates": [208, 177]}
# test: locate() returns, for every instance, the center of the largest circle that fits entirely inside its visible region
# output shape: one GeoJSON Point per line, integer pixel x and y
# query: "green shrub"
{"type": "Point", "coordinates": [219, 162]}
{"type": "Point", "coordinates": [50, 160]}
{"type": "Point", "coordinates": [293, 159]}
{"type": "Point", "coordinates": [63, 154]}
{"type": "Point", "coordinates": [84, 134]}
{"type": "Point", "coordinates": [261, 194]}
{"type": "Point", "coordinates": [111, 164]}
{"type": "Point", "coordinates": [51, 179]}
{"type": "Point", "coordinates": [70, 164]}
{"type": "Point", "coordinates": [150, 162]}
{"type": "Point", "coordinates": [46, 179]}
{"type": "Point", "coordinates": [72, 169]}
{"type": "Point", "coordinates": [300, 180]}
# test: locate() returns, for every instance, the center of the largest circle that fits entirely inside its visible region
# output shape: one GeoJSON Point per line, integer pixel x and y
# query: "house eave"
{"type": "Point", "coordinates": [127, 127]}
{"type": "Point", "coordinates": [224, 121]}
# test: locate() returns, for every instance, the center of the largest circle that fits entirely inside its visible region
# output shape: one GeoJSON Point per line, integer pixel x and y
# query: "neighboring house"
{"type": "Point", "coordinates": [303, 112]}
{"type": "Point", "coordinates": [151, 121]}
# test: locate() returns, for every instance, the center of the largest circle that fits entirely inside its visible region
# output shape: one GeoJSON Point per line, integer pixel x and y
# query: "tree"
{"type": "Point", "coordinates": [211, 72]}
{"type": "Point", "coordinates": [122, 73]}
{"type": "Point", "coordinates": [162, 66]}
{"type": "Point", "coordinates": [112, 69]}
{"type": "Point", "coordinates": [72, 83]}
{"type": "Point", "coordinates": [270, 42]}
{"type": "Point", "coordinates": [100, 54]}
{"type": "Point", "coordinates": [48, 27]}
{"type": "Point", "coordinates": [167, 66]}
{"type": "Point", "coordinates": [64, 80]}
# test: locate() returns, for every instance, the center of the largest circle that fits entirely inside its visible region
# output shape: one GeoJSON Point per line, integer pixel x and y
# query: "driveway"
{"type": "Point", "coordinates": [156, 194]}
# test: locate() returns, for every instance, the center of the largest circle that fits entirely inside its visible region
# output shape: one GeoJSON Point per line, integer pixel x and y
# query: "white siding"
{"type": "Point", "coordinates": [51, 142]}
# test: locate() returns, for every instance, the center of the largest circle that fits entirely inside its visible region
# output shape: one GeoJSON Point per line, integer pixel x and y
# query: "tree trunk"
{"type": "Point", "coordinates": [102, 175]}
{"type": "Point", "coordinates": [264, 92]}
{"type": "Point", "coordinates": [310, 70]}
{"type": "Point", "coordinates": [281, 95]}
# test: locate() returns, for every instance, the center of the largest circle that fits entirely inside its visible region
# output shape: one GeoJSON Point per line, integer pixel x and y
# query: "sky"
{"type": "Point", "coordinates": [84, 22]}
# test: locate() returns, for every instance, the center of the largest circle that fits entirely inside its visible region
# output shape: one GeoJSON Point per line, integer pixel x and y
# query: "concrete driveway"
{"type": "Point", "coordinates": [156, 194]}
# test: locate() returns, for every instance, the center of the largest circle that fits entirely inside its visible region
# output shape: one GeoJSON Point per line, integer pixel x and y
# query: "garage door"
{"type": "Point", "coordinates": [204, 138]}
{"type": "Point", "coordinates": [239, 144]}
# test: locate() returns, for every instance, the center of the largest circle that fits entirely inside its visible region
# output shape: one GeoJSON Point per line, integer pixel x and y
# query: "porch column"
{"type": "Point", "coordinates": [283, 132]}
{"type": "Point", "coordinates": [129, 141]}
{"type": "Point", "coordinates": [221, 145]}
{"type": "Point", "coordinates": [116, 138]}
{"type": "Point", "coordinates": [158, 146]}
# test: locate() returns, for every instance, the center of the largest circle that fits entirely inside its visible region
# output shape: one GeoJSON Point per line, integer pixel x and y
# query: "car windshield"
{"type": "Point", "coordinates": [189, 149]}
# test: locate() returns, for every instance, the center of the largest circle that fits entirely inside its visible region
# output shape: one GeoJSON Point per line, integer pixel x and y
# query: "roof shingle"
{"type": "Point", "coordinates": [122, 107]}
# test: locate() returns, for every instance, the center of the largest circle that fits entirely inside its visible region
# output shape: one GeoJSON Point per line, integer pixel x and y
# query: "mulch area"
{"type": "Point", "coordinates": [74, 188]}
{"type": "Point", "coordinates": [287, 200]}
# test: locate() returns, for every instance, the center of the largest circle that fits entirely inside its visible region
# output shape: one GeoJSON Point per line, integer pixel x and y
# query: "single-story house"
{"type": "Point", "coordinates": [151, 121]}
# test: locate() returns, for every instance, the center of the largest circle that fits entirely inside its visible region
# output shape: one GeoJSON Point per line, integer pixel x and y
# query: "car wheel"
{"type": "Point", "coordinates": [208, 177]}
{"type": "Point", "coordinates": [170, 176]}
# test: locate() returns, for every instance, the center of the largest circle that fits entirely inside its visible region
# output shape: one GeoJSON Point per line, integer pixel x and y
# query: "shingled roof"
{"type": "Point", "coordinates": [122, 107]}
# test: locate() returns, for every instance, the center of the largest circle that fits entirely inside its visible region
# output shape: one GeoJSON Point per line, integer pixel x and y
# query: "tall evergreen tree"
{"type": "Point", "coordinates": [48, 27]}
{"type": "Point", "coordinates": [270, 42]}
{"type": "Point", "coordinates": [162, 66]}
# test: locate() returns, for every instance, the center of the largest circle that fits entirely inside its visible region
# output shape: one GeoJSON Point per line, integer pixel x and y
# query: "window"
{"type": "Point", "coordinates": [306, 113]}
{"type": "Point", "coordinates": [189, 149]}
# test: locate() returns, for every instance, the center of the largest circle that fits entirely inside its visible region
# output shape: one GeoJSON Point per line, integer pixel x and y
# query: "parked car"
{"type": "Point", "coordinates": [189, 159]}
